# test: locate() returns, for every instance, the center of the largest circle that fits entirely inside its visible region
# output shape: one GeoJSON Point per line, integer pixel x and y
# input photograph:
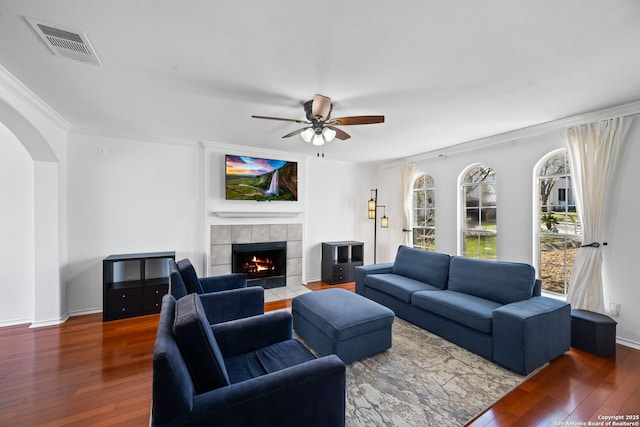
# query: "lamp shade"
{"type": "Point", "coordinates": [318, 139]}
{"type": "Point", "coordinates": [372, 208]}
{"type": "Point", "coordinates": [328, 134]}
{"type": "Point", "coordinates": [307, 134]}
{"type": "Point", "coordinates": [384, 222]}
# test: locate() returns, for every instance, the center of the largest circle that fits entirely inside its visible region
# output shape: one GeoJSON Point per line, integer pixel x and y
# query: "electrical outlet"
{"type": "Point", "coordinates": [102, 151]}
{"type": "Point", "coordinates": [614, 308]}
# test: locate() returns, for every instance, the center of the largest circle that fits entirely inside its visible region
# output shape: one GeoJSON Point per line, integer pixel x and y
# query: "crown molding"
{"type": "Point", "coordinates": [24, 94]}
{"type": "Point", "coordinates": [524, 133]}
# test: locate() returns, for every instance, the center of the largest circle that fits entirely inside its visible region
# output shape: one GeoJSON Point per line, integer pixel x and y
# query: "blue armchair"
{"type": "Point", "coordinates": [246, 372]}
{"type": "Point", "coordinates": [205, 285]}
{"type": "Point", "coordinates": [227, 297]}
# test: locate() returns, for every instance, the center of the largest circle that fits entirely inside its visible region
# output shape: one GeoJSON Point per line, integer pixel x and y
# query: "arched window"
{"type": "Point", "coordinates": [479, 214]}
{"type": "Point", "coordinates": [424, 213]}
{"type": "Point", "coordinates": [557, 225]}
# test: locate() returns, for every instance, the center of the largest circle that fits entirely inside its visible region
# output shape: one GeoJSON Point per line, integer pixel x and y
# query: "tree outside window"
{"type": "Point", "coordinates": [424, 213]}
{"type": "Point", "coordinates": [479, 222]}
{"type": "Point", "coordinates": [558, 228]}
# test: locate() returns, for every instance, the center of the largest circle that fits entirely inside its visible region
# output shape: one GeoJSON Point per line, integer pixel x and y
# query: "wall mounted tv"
{"type": "Point", "coordinates": [253, 178]}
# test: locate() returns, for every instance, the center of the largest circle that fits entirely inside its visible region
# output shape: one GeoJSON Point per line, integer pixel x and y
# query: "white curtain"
{"type": "Point", "coordinates": [407, 171]}
{"type": "Point", "coordinates": [593, 154]}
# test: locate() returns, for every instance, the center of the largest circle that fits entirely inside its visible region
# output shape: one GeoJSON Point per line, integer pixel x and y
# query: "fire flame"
{"type": "Point", "coordinates": [258, 265]}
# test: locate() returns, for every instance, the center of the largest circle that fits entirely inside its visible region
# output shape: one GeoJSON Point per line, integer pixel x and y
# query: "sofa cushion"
{"type": "Point", "coordinates": [189, 276]}
{"type": "Point", "coordinates": [397, 286]}
{"type": "Point", "coordinates": [198, 345]}
{"type": "Point", "coordinates": [502, 282]}
{"type": "Point", "coordinates": [474, 312]}
{"type": "Point", "coordinates": [267, 360]}
{"type": "Point", "coordinates": [428, 267]}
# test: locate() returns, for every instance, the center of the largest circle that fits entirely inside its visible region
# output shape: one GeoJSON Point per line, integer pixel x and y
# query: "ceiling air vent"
{"type": "Point", "coordinates": [65, 42]}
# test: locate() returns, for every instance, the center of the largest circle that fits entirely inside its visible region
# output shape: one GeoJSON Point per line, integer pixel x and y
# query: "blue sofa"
{"type": "Point", "coordinates": [494, 309]}
{"type": "Point", "coordinates": [245, 372]}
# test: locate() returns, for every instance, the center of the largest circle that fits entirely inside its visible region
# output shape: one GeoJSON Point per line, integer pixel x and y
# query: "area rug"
{"type": "Point", "coordinates": [423, 380]}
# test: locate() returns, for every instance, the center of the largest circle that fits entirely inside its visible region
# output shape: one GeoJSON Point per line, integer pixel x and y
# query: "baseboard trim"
{"type": "Point", "coordinates": [84, 312]}
{"type": "Point", "coordinates": [15, 322]}
{"type": "Point", "coordinates": [50, 322]}
{"type": "Point", "coordinates": [64, 318]}
{"type": "Point", "coordinates": [628, 343]}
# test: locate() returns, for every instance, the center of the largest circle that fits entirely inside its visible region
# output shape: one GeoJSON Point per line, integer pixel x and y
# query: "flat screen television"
{"type": "Point", "coordinates": [254, 178]}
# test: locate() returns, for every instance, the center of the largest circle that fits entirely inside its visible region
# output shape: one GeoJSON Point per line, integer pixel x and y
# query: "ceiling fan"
{"type": "Point", "coordinates": [322, 128]}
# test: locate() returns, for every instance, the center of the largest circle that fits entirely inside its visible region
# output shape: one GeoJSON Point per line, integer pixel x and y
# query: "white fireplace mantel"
{"type": "Point", "coordinates": [255, 214]}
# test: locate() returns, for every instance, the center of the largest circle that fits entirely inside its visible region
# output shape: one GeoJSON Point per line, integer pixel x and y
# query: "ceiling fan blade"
{"type": "Point", "coordinates": [281, 119]}
{"type": "Point", "coordinates": [295, 132]}
{"type": "Point", "coordinates": [357, 120]}
{"type": "Point", "coordinates": [321, 107]}
{"type": "Point", "coordinates": [340, 134]}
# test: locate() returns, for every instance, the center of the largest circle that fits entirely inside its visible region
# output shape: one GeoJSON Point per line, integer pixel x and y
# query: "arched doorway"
{"type": "Point", "coordinates": [41, 181]}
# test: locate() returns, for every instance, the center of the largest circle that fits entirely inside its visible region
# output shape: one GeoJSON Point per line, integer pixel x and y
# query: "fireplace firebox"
{"type": "Point", "coordinates": [265, 264]}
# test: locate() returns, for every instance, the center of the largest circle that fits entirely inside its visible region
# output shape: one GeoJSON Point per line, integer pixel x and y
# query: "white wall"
{"type": "Point", "coordinates": [16, 230]}
{"type": "Point", "coordinates": [142, 196]}
{"type": "Point", "coordinates": [620, 272]}
{"type": "Point", "coordinates": [336, 209]}
{"type": "Point", "coordinates": [50, 303]}
{"type": "Point", "coordinates": [514, 163]}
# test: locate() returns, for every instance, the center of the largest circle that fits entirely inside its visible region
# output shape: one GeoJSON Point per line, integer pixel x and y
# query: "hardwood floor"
{"type": "Point", "coordinates": [576, 386]}
{"type": "Point", "coordinates": [86, 372]}
{"type": "Point", "coordinates": [83, 372]}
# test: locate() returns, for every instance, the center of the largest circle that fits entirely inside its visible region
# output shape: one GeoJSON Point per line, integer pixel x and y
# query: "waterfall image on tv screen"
{"type": "Point", "coordinates": [252, 178]}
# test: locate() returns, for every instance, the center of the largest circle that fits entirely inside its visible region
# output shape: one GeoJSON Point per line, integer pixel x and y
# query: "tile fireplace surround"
{"type": "Point", "coordinates": [223, 236]}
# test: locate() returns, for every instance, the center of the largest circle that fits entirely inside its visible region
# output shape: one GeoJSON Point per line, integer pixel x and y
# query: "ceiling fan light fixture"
{"type": "Point", "coordinates": [328, 134]}
{"type": "Point", "coordinates": [319, 127]}
{"type": "Point", "coordinates": [307, 134]}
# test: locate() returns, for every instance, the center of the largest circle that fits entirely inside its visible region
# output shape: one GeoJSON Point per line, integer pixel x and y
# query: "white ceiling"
{"type": "Point", "coordinates": [441, 72]}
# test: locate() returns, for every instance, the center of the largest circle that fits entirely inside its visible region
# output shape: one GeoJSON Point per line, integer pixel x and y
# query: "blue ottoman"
{"type": "Point", "coordinates": [336, 321]}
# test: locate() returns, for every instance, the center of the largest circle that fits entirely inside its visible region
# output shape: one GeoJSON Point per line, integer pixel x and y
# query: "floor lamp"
{"type": "Point", "coordinates": [384, 221]}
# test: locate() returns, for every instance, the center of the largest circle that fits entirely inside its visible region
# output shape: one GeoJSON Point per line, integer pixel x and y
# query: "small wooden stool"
{"type": "Point", "coordinates": [593, 332]}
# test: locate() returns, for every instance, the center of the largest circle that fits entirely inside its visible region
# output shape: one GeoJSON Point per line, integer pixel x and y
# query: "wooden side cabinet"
{"type": "Point", "coordinates": [134, 284]}
{"type": "Point", "coordinates": [340, 259]}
